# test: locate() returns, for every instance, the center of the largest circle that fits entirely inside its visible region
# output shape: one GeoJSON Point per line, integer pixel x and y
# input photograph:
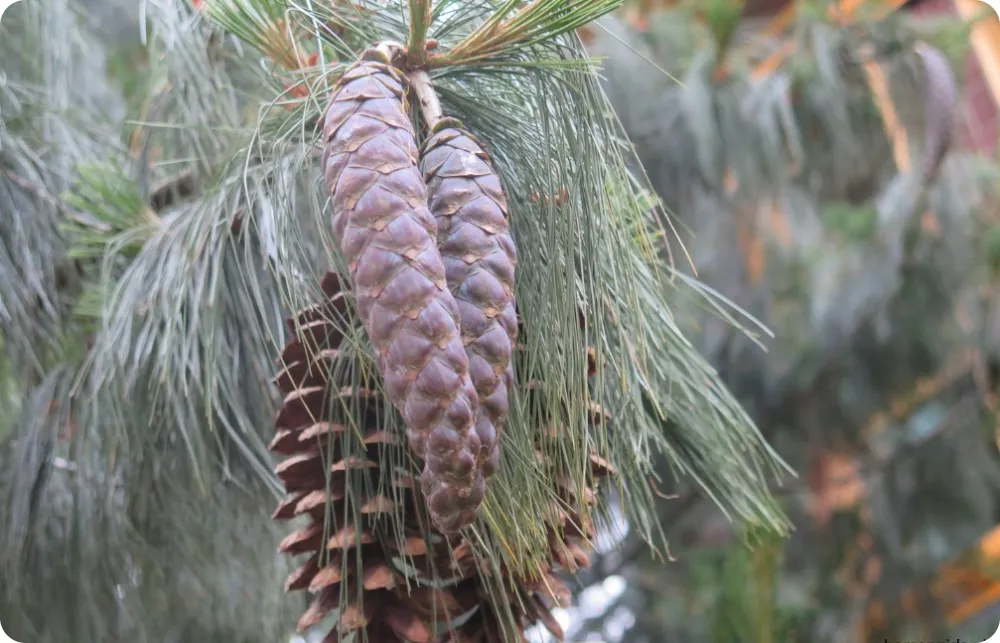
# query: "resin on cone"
{"type": "Point", "coordinates": [480, 258]}
{"type": "Point", "coordinates": [389, 239]}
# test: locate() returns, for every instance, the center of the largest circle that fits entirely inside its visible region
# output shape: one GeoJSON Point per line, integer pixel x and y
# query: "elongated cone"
{"type": "Point", "coordinates": [480, 258]}
{"type": "Point", "coordinates": [388, 237]}
{"type": "Point", "coordinates": [940, 105]}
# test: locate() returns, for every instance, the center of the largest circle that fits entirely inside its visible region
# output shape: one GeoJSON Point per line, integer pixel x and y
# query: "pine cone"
{"type": "Point", "coordinates": [389, 239]}
{"type": "Point", "coordinates": [413, 616]}
{"type": "Point", "coordinates": [533, 598]}
{"type": "Point", "coordinates": [480, 258]}
{"type": "Point", "coordinates": [940, 105]}
{"type": "Point", "coordinates": [346, 554]}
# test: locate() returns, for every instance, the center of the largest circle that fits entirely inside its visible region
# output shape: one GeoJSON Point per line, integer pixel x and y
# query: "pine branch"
{"type": "Point", "coordinates": [430, 106]}
{"type": "Point", "coordinates": [84, 538]}
{"type": "Point", "coordinates": [536, 22]}
{"type": "Point", "coordinates": [38, 148]}
{"type": "Point", "coordinates": [421, 15]}
{"type": "Point", "coordinates": [174, 401]}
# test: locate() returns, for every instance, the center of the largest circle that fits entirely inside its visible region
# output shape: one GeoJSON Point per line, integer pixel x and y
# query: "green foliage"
{"type": "Point", "coordinates": [53, 114]}
{"type": "Point", "coordinates": [115, 206]}
{"type": "Point", "coordinates": [722, 18]}
{"type": "Point", "coordinates": [857, 267]}
{"type": "Point", "coordinates": [111, 224]}
{"type": "Point", "coordinates": [162, 507]}
{"type": "Point", "coordinates": [737, 594]}
{"type": "Point", "coordinates": [951, 37]}
{"type": "Point", "coordinates": [855, 223]}
{"type": "Point", "coordinates": [509, 31]}
{"type": "Point", "coordinates": [128, 67]}
{"type": "Point", "coordinates": [992, 248]}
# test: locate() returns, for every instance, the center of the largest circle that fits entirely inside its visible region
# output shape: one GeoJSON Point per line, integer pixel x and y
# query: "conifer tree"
{"type": "Point", "coordinates": [818, 171]}
{"type": "Point", "coordinates": [481, 327]}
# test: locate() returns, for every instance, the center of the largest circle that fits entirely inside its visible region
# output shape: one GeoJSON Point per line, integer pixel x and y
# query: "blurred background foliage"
{"type": "Point", "coordinates": [796, 151]}
{"type": "Point", "coordinates": [818, 169]}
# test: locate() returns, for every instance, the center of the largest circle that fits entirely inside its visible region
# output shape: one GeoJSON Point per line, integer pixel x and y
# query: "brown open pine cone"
{"type": "Point", "coordinates": [348, 555]}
